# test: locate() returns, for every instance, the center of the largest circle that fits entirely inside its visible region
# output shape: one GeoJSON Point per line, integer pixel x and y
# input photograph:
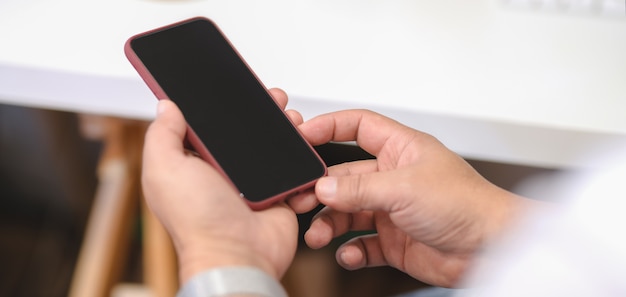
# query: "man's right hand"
{"type": "Point", "coordinates": [430, 209]}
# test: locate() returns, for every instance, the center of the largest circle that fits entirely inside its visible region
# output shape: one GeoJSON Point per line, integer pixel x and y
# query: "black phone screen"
{"type": "Point", "coordinates": [230, 111]}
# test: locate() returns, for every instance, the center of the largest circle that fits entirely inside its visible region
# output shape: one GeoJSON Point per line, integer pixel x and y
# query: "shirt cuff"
{"type": "Point", "coordinates": [229, 281]}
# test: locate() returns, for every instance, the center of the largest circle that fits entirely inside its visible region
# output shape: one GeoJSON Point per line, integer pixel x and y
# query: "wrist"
{"type": "Point", "coordinates": [194, 259]}
{"type": "Point", "coordinates": [510, 209]}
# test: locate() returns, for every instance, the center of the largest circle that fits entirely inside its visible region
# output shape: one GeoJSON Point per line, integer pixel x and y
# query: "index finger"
{"type": "Point", "coordinates": [370, 130]}
{"type": "Point", "coordinates": [279, 96]}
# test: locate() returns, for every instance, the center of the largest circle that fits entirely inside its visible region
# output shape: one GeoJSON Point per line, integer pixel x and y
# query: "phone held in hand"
{"type": "Point", "coordinates": [233, 122]}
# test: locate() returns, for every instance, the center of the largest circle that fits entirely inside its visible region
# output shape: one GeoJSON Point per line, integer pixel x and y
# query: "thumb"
{"type": "Point", "coordinates": [353, 193]}
{"type": "Point", "coordinates": [166, 133]}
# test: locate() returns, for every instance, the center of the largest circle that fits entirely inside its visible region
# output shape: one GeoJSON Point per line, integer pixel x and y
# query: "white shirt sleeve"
{"type": "Point", "coordinates": [232, 281]}
{"type": "Point", "coordinates": [576, 250]}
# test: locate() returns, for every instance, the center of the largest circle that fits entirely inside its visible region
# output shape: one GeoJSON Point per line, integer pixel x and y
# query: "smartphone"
{"type": "Point", "coordinates": [233, 122]}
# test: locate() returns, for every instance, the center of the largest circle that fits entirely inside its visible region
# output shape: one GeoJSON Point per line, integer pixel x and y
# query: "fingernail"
{"type": "Point", "coordinates": [327, 187]}
{"type": "Point", "coordinates": [342, 257]}
{"type": "Point", "coordinates": [161, 107]}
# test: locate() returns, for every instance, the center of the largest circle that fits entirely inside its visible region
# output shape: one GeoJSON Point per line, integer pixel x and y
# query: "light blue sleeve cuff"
{"type": "Point", "coordinates": [232, 281]}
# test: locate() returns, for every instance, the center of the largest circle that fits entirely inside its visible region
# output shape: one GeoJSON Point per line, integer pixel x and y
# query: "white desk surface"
{"type": "Point", "coordinates": [491, 81]}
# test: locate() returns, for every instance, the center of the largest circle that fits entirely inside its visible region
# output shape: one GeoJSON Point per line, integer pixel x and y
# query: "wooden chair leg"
{"type": "Point", "coordinates": [160, 266]}
{"type": "Point", "coordinates": [107, 234]}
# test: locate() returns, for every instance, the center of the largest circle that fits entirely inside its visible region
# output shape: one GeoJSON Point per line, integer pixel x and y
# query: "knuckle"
{"type": "Point", "coordinates": [358, 188]}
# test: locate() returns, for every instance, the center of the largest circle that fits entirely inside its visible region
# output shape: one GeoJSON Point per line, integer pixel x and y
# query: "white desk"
{"type": "Point", "coordinates": [490, 81]}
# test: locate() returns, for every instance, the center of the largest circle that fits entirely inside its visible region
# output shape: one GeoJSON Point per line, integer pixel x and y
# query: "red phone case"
{"type": "Point", "coordinates": [192, 137]}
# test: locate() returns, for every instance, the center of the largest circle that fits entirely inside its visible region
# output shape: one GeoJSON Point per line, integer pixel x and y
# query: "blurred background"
{"type": "Point", "coordinates": [48, 180]}
{"type": "Point", "coordinates": [47, 183]}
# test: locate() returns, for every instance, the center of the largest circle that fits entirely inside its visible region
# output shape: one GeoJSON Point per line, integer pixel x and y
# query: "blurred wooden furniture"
{"type": "Point", "coordinates": [105, 246]}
